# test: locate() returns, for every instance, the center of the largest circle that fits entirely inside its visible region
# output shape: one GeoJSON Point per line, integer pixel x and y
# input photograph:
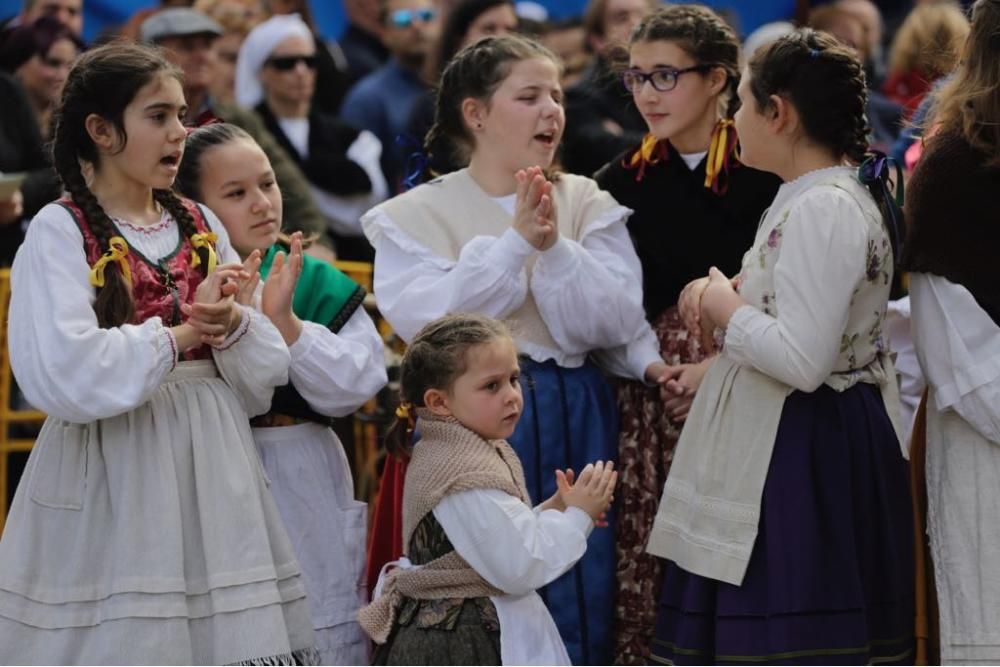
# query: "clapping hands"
{"type": "Point", "coordinates": [535, 216]}
{"type": "Point", "coordinates": [214, 314]}
{"type": "Point", "coordinates": [592, 492]}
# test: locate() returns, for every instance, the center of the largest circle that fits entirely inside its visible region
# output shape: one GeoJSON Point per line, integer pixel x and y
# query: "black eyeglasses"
{"type": "Point", "coordinates": [664, 79]}
{"type": "Point", "coordinates": [285, 63]}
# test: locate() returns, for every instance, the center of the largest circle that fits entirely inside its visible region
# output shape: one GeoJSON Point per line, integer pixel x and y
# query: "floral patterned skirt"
{"type": "Point", "coordinates": [645, 449]}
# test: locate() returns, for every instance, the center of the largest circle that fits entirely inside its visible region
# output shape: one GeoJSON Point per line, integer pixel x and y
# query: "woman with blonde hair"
{"type": "Point", "coordinates": [926, 48]}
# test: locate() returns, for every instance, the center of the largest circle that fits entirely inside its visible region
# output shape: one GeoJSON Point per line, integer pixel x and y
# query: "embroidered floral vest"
{"type": "Point", "coordinates": [863, 341]}
{"type": "Point", "coordinates": [158, 288]}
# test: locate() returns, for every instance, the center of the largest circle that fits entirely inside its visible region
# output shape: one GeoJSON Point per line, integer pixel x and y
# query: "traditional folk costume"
{"type": "Point", "coordinates": [786, 514]}
{"type": "Point", "coordinates": [956, 331]}
{"type": "Point", "coordinates": [448, 247]}
{"type": "Point", "coordinates": [337, 364]}
{"type": "Point", "coordinates": [476, 553]}
{"type": "Point", "coordinates": [142, 531]}
{"type": "Point", "coordinates": [683, 224]}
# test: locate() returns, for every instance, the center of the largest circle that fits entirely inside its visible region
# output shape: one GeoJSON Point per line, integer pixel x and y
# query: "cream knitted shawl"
{"type": "Point", "coordinates": [448, 459]}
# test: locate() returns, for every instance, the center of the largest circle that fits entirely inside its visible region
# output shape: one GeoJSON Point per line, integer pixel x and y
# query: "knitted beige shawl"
{"type": "Point", "coordinates": [448, 459]}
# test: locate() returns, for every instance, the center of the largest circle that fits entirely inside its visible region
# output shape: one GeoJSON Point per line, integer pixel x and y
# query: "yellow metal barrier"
{"type": "Point", "coordinates": [9, 416]}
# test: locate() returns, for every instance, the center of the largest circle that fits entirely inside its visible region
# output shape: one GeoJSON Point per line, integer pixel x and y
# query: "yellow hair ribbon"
{"type": "Point", "coordinates": [205, 240]}
{"type": "Point", "coordinates": [117, 252]}
{"type": "Point", "coordinates": [403, 411]}
{"type": "Point", "coordinates": [651, 151]}
{"type": "Point", "coordinates": [718, 151]}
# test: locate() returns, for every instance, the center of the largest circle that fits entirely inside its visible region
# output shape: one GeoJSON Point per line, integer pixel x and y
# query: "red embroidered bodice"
{"type": "Point", "coordinates": [158, 288]}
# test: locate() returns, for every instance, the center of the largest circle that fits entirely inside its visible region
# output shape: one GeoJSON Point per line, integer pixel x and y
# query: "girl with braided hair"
{"type": "Point", "coordinates": [142, 531]}
{"type": "Point", "coordinates": [550, 254]}
{"type": "Point", "coordinates": [786, 517]}
{"type": "Point", "coordinates": [464, 594]}
{"type": "Point", "coordinates": [694, 206]}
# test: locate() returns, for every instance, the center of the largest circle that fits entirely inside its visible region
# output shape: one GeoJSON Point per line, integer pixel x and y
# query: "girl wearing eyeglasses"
{"type": "Point", "coordinates": [551, 256]}
{"type": "Point", "coordinates": [695, 207]}
{"type": "Point", "coordinates": [276, 76]}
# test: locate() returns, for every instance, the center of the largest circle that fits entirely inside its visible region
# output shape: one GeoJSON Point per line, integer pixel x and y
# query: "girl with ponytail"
{"type": "Point", "coordinates": [143, 530]}
{"type": "Point", "coordinates": [695, 206]}
{"type": "Point", "coordinates": [786, 516]}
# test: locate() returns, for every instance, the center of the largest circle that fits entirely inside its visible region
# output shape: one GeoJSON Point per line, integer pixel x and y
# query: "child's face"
{"type": "Point", "coordinates": [487, 397]}
{"type": "Point", "coordinates": [754, 129]}
{"type": "Point", "coordinates": [524, 121]}
{"type": "Point", "coordinates": [238, 184]}
{"type": "Point", "coordinates": [672, 114]}
{"type": "Point", "coordinates": [154, 142]}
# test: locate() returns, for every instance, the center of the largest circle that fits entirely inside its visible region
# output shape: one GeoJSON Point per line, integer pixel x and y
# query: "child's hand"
{"type": "Point", "coordinates": [249, 286]}
{"type": "Point", "coordinates": [718, 303]}
{"type": "Point", "coordinates": [546, 219]}
{"type": "Point", "coordinates": [214, 313]}
{"type": "Point", "coordinates": [689, 304]}
{"type": "Point", "coordinates": [279, 291]}
{"type": "Point", "coordinates": [593, 491]}
{"type": "Point", "coordinates": [532, 186]}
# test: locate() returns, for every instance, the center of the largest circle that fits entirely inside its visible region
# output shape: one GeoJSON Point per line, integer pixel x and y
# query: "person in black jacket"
{"type": "Point", "coordinates": [601, 118]}
{"type": "Point", "coordinates": [276, 76]}
{"type": "Point", "coordinates": [695, 206]}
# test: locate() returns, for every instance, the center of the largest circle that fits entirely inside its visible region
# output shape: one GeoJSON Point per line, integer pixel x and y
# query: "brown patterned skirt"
{"type": "Point", "coordinates": [645, 449]}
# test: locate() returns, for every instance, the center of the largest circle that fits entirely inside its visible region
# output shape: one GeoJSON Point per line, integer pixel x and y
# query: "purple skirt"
{"type": "Point", "coordinates": [830, 578]}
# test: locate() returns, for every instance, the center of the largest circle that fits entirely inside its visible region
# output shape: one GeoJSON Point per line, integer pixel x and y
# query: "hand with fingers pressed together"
{"type": "Point", "coordinates": [535, 209]}
{"type": "Point", "coordinates": [593, 491]}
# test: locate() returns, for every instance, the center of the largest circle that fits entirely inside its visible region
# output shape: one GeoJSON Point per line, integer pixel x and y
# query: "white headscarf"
{"type": "Point", "coordinates": [257, 48]}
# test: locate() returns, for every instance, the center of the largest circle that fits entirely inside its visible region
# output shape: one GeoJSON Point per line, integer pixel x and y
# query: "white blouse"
{"type": "Point", "coordinates": [588, 292]}
{"type": "Point", "coordinates": [517, 550]}
{"type": "Point", "coordinates": [816, 278]}
{"type": "Point", "coordinates": [75, 370]}
{"type": "Point", "coordinates": [337, 372]}
{"type": "Point", "coordinates": [958, 346]}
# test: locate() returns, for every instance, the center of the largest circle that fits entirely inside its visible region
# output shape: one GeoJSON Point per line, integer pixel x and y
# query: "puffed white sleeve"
{"type": "Point", "coordinates": [337, 372]}
{"type": "Point", "coordinates": [413, 286]}
{"type": "Point", "coordinates": [958, 346]}
{"type": "Point", "coordinates": [510, 545]}
{"type": "Point", "coordinates": [589, 292]}
{"type": "Point", "coordinates": [253, 359]}
{"type": "Point", "coordinates": [821, 263]}
{"type": "Point", "coordinates": [66, 364]}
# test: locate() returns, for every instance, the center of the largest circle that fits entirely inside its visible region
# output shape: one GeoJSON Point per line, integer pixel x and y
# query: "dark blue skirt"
{"type": "Point", "coordinates": [830, 578]}
{"type": "Point", "coordinates": [570, 419]}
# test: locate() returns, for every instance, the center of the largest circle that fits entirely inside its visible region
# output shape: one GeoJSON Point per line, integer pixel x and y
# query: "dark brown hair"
{"type": "Point", "coordinates": [435, 358]}
{"type": "Point", "coordinates": [969, 103]}
{"type": "Point", "coordinates": [824, 81]}
{"type": "Point", "coordinates": [703, 35]}
{"type": "Point", "coordinates": [104, 81]}
{"type": "Point", "coordinates": [475, 72]}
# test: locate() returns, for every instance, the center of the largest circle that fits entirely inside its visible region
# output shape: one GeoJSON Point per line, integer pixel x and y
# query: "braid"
{"type": "Point", "coordinates": [173, 205]}
{"type": "Point", "coordinates": [824, 81]}
{"type": "Point", "coordinates": [113, 304]}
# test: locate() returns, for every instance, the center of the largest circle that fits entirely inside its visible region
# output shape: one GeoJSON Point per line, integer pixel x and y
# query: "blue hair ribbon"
{"type": "Point", "coordinates": [877, 169]}
{"type": "Point", "coordinates": [417, 162]}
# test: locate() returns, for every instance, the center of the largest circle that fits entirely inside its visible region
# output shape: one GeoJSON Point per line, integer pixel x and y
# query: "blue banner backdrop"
{"type": "Point", "coordinates": [100, 15]}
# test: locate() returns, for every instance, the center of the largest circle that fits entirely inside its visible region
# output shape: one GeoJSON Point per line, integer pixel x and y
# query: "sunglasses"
{"type": "Point", "coordinates": [663, 79]}
{"type": "Point", "coordinates": [404, 18]}
{"type": "Point", "coordinates": [285, 63]}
